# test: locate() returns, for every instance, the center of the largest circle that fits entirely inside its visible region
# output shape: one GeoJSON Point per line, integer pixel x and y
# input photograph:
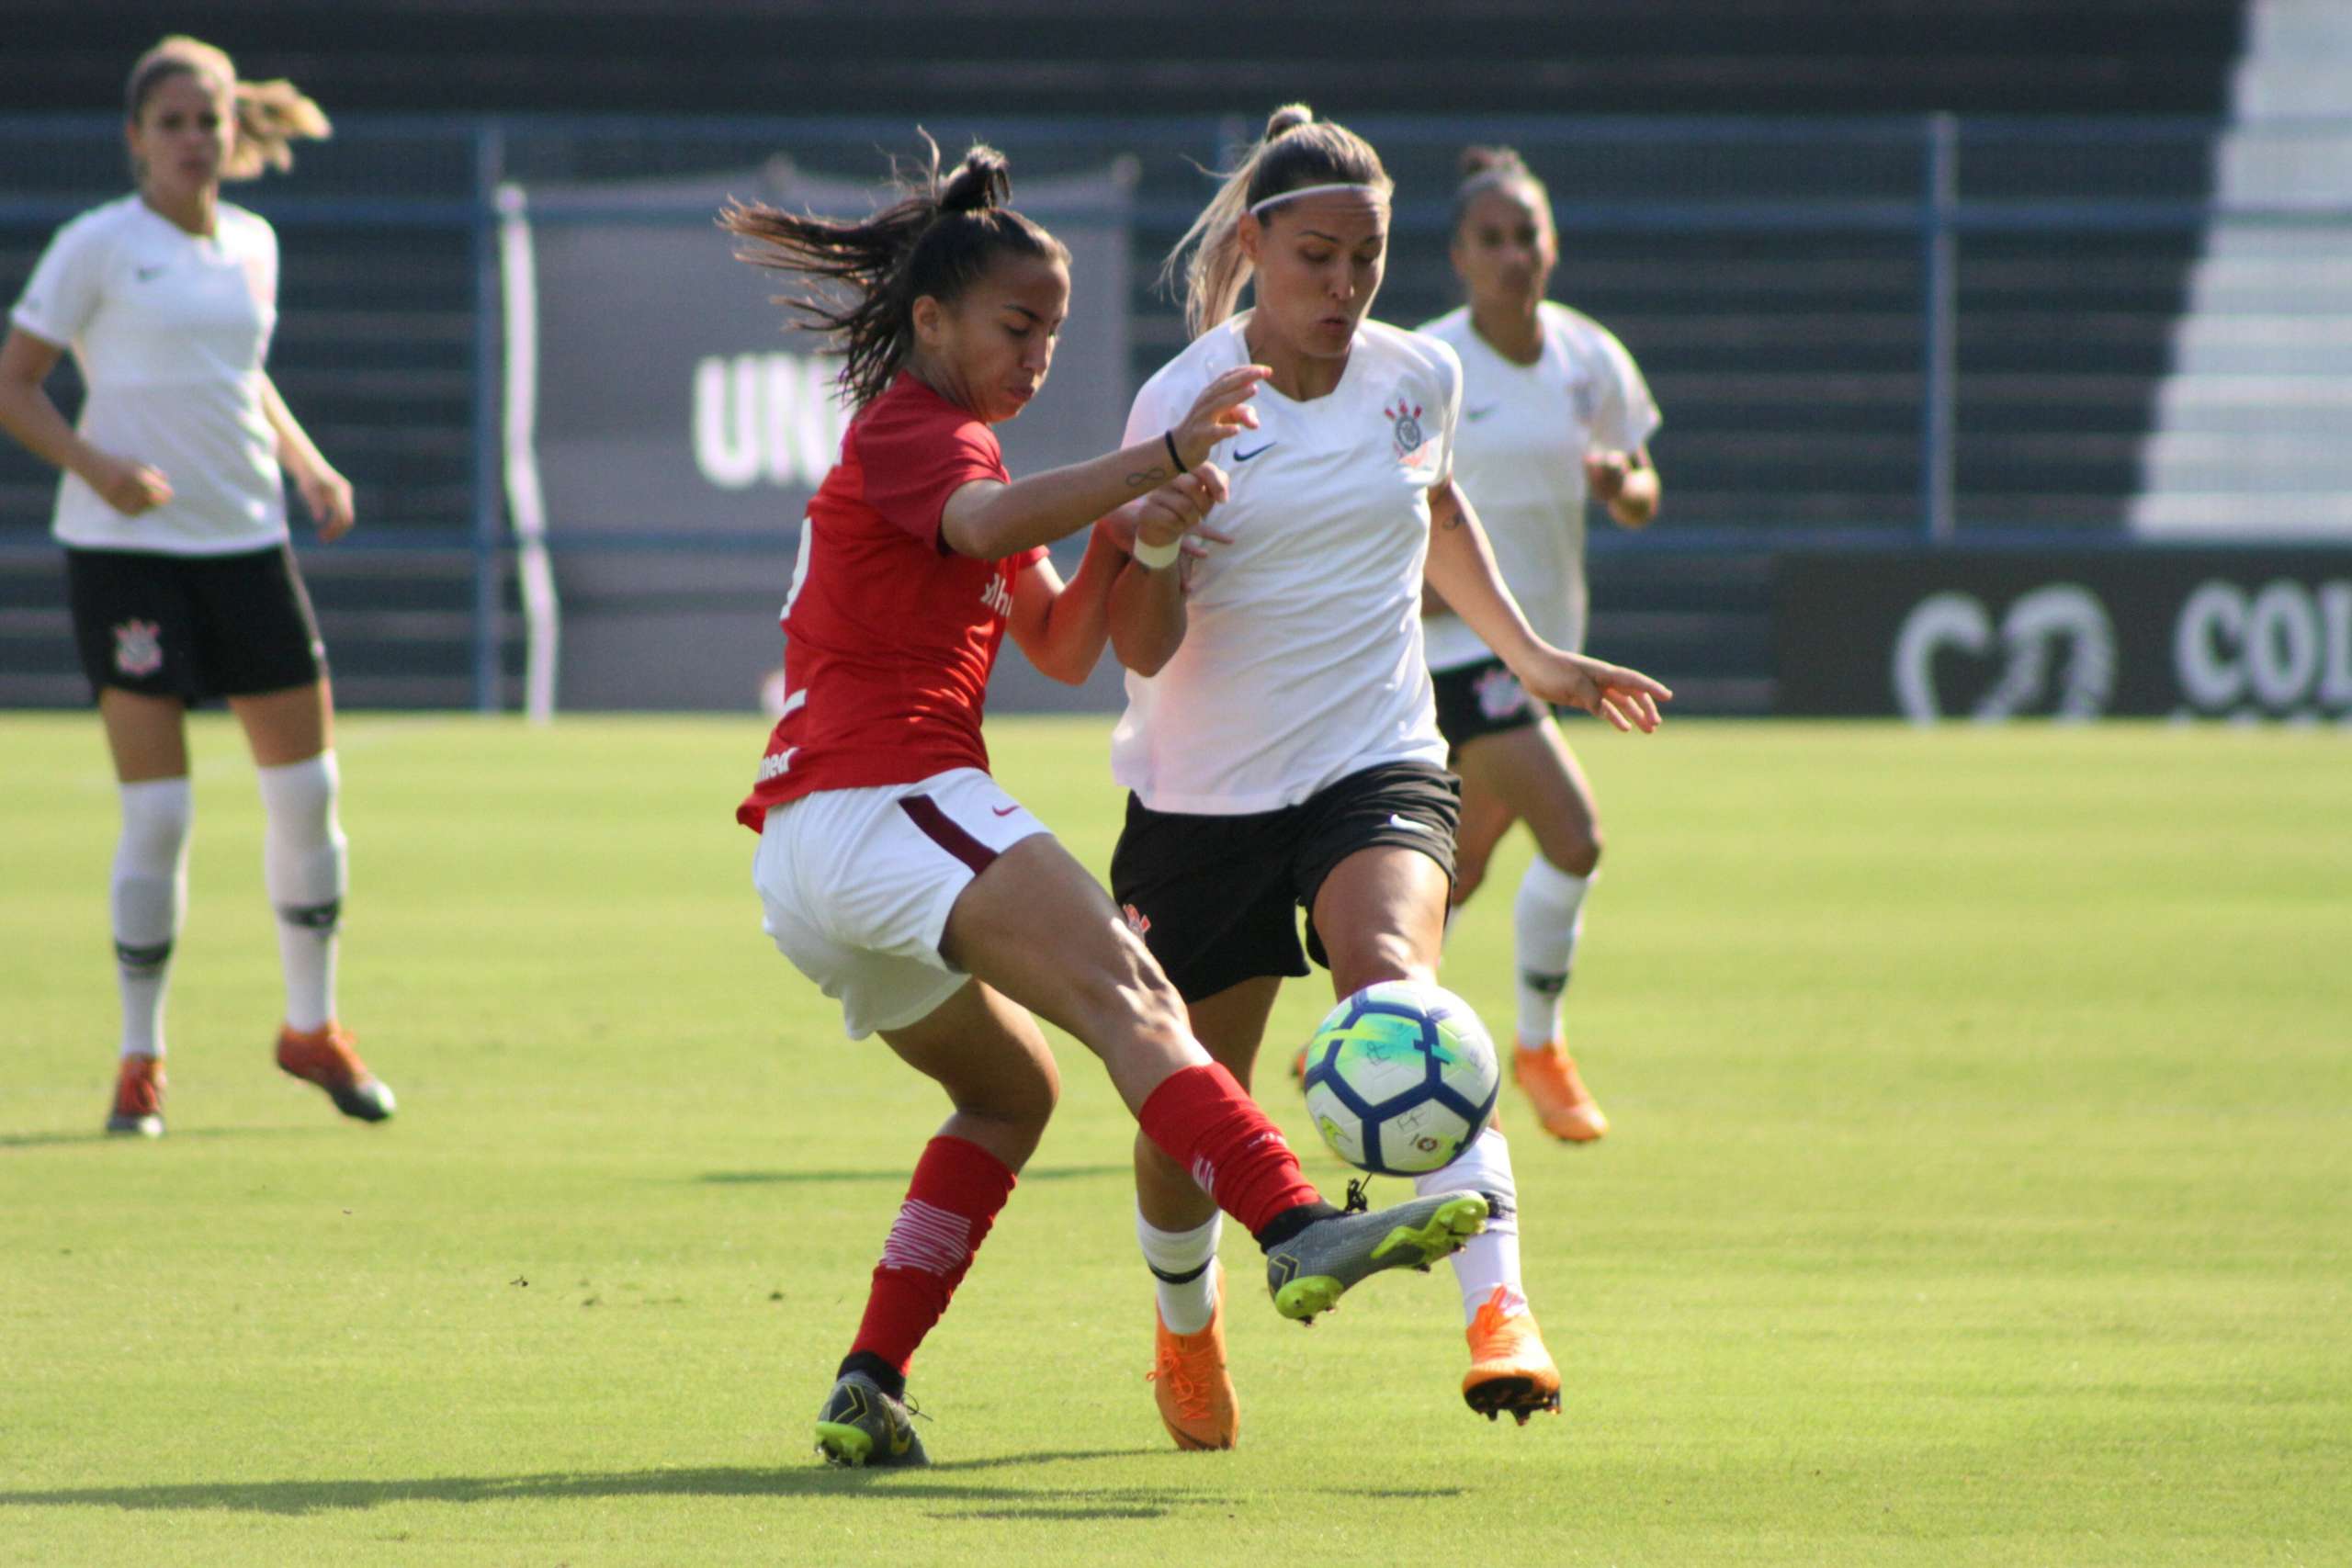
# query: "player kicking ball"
{"type": "Point", "coordinates": [893, 871]}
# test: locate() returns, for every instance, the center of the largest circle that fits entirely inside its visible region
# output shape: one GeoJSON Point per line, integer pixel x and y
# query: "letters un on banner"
{"type": "Point", "coordinates": [2234, 634]}
{"type": "Point", "coordinates": [671, 396]}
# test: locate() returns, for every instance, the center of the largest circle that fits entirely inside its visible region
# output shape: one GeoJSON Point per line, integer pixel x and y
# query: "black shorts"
{"type": "Point", "coordinates": [1479, 699]}
{"type": "Point", "coordinates": [1217, 898]}
{"type": "Point", "coordinates": [192, 626]}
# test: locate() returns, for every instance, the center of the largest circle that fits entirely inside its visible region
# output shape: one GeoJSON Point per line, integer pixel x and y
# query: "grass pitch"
{"type": "Point", "coordinates": [1980, 1191]}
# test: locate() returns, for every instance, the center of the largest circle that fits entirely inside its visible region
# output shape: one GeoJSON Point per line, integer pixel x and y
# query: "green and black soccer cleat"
{"type": "Point", "coordinates": [1308, 1273]}
{"type": "Point", "coordinates": [860, 1425]}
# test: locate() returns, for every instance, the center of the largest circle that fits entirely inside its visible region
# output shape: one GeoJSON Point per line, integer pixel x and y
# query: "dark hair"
{"type": "Point", "coordinates": [1296, 150]}
{"type": "Point", "coordinates": [1492, 168]}
{"type": "Point", "coordinates": [270, 115]}
{"type": "Point", "coordinates": [937, 238]}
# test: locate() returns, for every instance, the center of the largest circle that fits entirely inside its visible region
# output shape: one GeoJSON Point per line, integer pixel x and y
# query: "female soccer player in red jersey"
{"type": "Point", "coordinates": [893, 871]}
{"type": "Point", "coordinates": [173, 516]}
{"type": "Point", "coordinates": [1280, 739]}
{"type": "Point", "coordinates": [1554, 410]}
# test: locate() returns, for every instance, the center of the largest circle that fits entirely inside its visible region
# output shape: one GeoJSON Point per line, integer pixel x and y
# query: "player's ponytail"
{"type": "Point", "coordinates": [862, 278]}
{"type": "Point", "coordinates": [271, 116]}
{"type": "Point", "coordinates": [1494, 168]}
{"type": "Point", "coordinates": [1297, 151]}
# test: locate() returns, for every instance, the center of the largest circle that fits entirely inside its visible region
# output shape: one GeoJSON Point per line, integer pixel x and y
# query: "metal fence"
{"type": "Point", "coordinates": [1915, 331]}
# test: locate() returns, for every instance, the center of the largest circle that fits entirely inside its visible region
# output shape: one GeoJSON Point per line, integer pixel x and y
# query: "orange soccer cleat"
{"type": "Point", "coordinates": [1548, 1076]}
{"type": "Point", "coordinates": [1189, 1379]}
{"type": "Point", "coordinates": [323, 1056]}
{"type": "Point", "coordinates": [1509, 1369]}
{"type": "Point", "coordinates": [137, 1098]}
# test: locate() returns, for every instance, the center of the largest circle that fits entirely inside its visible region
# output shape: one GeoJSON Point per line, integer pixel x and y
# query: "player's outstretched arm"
{"type": "Point", "coordinates": [989, 520]}
{"type": "Point", "coordinates": [1462, 569]}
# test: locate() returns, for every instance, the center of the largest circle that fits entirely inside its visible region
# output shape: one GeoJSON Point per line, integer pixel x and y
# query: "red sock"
{"type": "Point", "coordinates": [1203, 1121]}
{"type": "Point", "coordinates": [958, 1188]}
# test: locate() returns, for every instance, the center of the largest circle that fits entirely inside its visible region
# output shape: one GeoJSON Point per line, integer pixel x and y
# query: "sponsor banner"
{"type": "Point", "coordinates": [2236, 634]}
{"type": "Point", "coordinates": [670, 396]}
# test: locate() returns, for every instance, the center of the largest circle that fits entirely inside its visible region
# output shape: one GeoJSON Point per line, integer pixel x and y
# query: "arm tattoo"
{"type": "Point", "coordinates": [1144, 478]}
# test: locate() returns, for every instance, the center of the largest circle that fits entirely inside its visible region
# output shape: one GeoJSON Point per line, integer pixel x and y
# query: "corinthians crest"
{"type": "Point", "coordinates": [1406, 416]}
{"type": "Point", "coordinates": [138, 648]}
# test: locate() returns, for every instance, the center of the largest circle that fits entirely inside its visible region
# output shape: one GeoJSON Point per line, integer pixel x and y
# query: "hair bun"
{"type": "Point", "coordinates": [1476, 161]}
{"type": "Point", "coordinates": [982, 181]}
{"type": "Point", "coordinates": [1288, 118]}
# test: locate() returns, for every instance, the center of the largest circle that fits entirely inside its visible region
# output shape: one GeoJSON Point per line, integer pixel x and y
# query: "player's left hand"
{"type": "Point", "coordinates": [1626, 698]}
{"type": "Point", "coordinates": [1174, 510]}
{"type": "Point", "coordinates": [328, 495]}
{"type": "Point", "coordinates": [1605, 474]}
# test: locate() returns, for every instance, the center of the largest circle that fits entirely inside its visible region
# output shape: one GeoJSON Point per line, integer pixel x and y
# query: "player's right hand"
{"type": "Point", "coordinates": [1219, 413]}
{"type": "Point", "coordinates": [130, 487]}
{"type": "Point", "coordinates": [1177, 509]}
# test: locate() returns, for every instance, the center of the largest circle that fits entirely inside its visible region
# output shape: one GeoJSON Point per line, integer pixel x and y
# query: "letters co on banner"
{"type": "Point", "coordinates": [2229, 634]}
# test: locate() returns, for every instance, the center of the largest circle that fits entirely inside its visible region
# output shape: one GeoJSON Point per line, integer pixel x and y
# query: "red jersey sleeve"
{"type": "Point", "coordinates": [918, 454]}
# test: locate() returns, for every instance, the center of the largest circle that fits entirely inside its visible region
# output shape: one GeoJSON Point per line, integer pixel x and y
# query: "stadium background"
{"type": "Point", "coordinates": [1943, 302]}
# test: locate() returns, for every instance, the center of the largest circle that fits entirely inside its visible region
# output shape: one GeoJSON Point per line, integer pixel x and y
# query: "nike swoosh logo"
{"type": "Point", "coordinates": [147, 273]}
{"type": "Point", "coordinates": [1004, 810]}
{"type": "Point", "coordinates": [1241, 456]}
{"type": "Point", "coordinates": [1480, 413]}
{"type": "Point", "coordinates": [1409, 825]}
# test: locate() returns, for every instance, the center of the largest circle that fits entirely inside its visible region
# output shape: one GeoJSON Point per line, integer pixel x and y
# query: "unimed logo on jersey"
{"type": "Point", "coordinates": [767, 416]}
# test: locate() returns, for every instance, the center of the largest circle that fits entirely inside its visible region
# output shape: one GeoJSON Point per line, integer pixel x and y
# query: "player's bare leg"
{"type": "Point", "coordinates": [1530, 773]}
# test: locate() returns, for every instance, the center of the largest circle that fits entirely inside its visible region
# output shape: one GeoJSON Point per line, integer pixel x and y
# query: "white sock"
{"type": "Point", "coordinates": [302, 867]}
{"type": "Point", "coordinates": [1546, 919]}
{"type": "Point", "coordinates": [149, 895]}
{"type": "Point", "coordinates": [1490, 1259]}
{"type": "Point", "coordinates": [1188, 1301]}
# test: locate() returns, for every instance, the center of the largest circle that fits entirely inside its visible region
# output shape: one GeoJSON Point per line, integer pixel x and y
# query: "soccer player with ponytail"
{"type": "Point", "coordinates": [893, 871]}
{"type": "Point", "coordinates": [172, 515]}
{"type": "Point", "coordinates": [1556, 412]}
{"type": "Point", "coordinates": [1281, 740]}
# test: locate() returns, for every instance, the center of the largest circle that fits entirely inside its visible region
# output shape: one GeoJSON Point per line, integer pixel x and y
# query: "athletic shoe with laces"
{"type": "Point", "coordinates": [137, 1098]}
{"type": "Point", "coordinates": [323, 1056]}
{"type": "Point", "coordinates": [1308, 1273]}
{"type": "Point", "coordinates": [1548, 1076]}
{"type": "Point", "coordinates": [1509, 1369]}
{"type": "Point", "coordinates": [1189, 1379]}
{"type": "Point", "coordinates": [860, 1425]}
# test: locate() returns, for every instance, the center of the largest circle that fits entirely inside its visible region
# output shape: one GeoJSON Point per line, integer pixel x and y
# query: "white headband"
{"type": "Point", "coordinates": [1373, 191]}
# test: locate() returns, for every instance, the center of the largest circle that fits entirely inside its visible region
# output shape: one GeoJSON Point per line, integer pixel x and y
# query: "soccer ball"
{"type": "Point", "coordinates": [1400, 1078]}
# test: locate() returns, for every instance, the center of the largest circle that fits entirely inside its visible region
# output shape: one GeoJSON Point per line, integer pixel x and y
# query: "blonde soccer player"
{"type": "Point", "coordinates": [1554, 414]}
{"type": "Point", "coordinates": [172, 511]}
{"type": "Point", "coordinates": [1280, 741]}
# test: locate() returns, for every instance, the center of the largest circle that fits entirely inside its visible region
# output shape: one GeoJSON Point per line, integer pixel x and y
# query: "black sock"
{"type": "Point", "coordinates": [1290, 1222]}
{"type": "Point", "coordinates": [889, 1379]}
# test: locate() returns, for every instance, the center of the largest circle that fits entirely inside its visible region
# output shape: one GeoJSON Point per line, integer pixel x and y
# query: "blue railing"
{"type": "Point", "coordinates": [1934, 181]}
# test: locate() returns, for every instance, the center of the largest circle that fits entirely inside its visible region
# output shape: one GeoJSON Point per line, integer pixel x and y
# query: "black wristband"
{"type": "Point", "coordinates": [1173, 455]}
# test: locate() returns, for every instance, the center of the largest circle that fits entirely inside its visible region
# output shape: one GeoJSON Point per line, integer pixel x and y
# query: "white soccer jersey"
{"type": "Point", "coordinates": [1519, 458]}
{"type": "Point", "coordinates": [1302, 661]}
{"type": "Point", "coordinates": [170, 330]}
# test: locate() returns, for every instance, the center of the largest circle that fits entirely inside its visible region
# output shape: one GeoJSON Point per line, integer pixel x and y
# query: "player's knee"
{"type": "Point", "coordinates": [1578, 854]}
{"type": "Point", "coordinates": [1378, 956]}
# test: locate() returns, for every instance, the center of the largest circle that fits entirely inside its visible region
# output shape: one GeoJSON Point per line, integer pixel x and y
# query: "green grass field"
{"type": "Point", "coordinates": [1981, 1191]}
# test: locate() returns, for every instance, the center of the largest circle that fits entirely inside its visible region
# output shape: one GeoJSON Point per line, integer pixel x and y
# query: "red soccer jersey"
{"type": "Point", "coordinates": [888, 634]}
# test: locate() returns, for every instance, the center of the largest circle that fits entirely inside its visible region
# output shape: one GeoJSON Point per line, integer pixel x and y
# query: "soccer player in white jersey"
{"type": "Point", "coordinates": [1281, 739]}
{"type": "Point", "coordinates": [172, 511]}
{"type": "Point", "coordinates": [1554, 411]}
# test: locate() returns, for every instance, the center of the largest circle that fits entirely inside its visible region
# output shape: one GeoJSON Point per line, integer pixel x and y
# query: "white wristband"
{"type": "Point", "coordinates": [1152, 558]}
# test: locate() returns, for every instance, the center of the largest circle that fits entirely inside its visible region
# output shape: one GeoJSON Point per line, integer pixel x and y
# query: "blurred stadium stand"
{"type": "Point", "coordinates": [1745, 189]}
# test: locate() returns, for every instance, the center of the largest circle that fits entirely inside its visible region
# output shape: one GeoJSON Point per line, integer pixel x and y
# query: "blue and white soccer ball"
{"type": "Point", "coordinates": [1400, 1078]}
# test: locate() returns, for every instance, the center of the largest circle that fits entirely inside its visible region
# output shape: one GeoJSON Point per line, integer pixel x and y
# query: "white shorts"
{"type": "Point", "coordinates": [857, 883]}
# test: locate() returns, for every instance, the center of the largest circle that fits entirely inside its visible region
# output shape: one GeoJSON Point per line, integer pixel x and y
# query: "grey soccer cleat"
{"type": "Point", "coordinates": [1309, 1272]}
{"type": "Point", "coordinates": [860, 1425]}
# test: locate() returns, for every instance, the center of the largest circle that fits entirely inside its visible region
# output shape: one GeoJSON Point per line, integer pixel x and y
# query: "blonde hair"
{"type": "Point", "coordinates": [270, 115]}
{"type": "Point", "coordinates": [1297, 151]}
